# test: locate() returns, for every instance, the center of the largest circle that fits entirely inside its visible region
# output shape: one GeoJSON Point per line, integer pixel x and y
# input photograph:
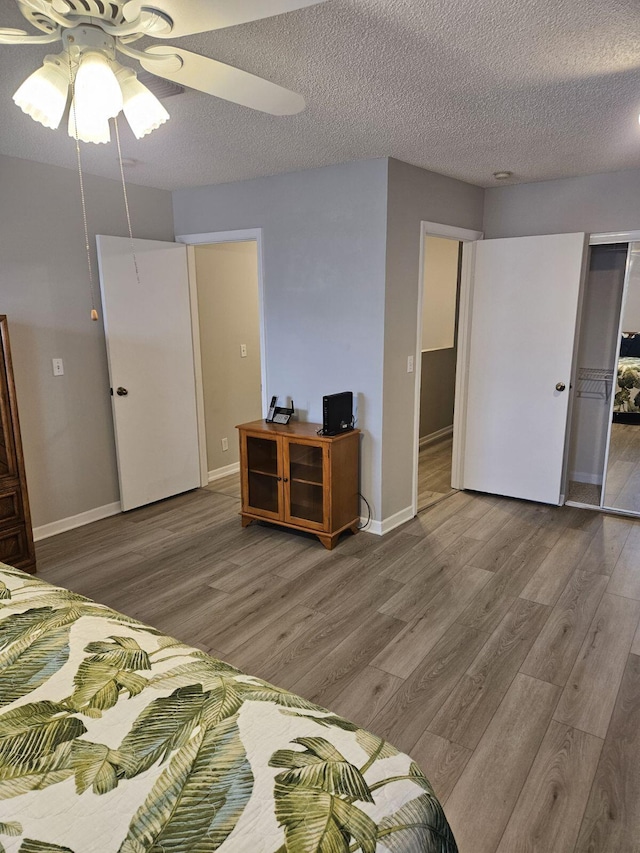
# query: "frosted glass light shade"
{"type": "Point", "coordinates": [43, 95]}
{"type": "Point", "coordinates": [142, 109]}
{"type": "Point", "coordinates": [91, 127]}
{"type": "Point", "coordinates": [96, 89]}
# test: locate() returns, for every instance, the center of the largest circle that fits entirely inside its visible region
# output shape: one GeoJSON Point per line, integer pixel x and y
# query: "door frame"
{"type": "Point", "coordinates": [607, 239]}
{"type": "Point", "coordinates": [610, 237]}
{"type": "Point", "coordinates": [461, 235]}
{"type": "Point", "coordinates": [209, 238]}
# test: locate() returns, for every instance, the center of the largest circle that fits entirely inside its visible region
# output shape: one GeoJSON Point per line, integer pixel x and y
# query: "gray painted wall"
{"type": "Point", "coordinates": [437, 390]}
{"type": "Point", "coordinates": [594, 203]}
{"type": "Point", "coordinates": [66, 421]}
{"type": "Point", "coordinates": [340, 296]}
{"type": "Point", "coordinates": [324, 236]}
{"type": "Point", "coordinates": [414, 195]}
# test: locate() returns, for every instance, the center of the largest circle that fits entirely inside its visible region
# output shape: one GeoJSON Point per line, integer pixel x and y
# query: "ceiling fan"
{"type": "Point", "coordinates": [87, 74]}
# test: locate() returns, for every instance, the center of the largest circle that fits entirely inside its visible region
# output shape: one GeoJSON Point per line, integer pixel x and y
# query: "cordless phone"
{"type": "Point", "coordinates": [272, 409]}
{"type": "Point", "coordinates": [279, 414]}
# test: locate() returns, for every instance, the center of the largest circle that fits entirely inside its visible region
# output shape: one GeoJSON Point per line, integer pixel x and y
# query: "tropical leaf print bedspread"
{"type": "Point", "coordinates": [628, 390]}
{"type": "Point", "coordinates": [117, 739]}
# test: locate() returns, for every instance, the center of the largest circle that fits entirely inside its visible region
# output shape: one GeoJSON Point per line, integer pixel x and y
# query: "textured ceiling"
{"type": "Point", "coordinates": [544, 89]}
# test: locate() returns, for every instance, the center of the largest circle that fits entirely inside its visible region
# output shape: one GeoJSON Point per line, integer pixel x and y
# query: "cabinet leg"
{"type": "Point", "coordinates": [354, 529]}
{"type": "Point", "coordinates": [329, 542]}
{"type": "Point", "coordinates": [246, 521]}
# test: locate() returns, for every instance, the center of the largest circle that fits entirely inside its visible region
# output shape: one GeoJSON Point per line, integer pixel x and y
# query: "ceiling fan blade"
{"type": "Point", "coordinates": [50, 10]}
{"type": "Point", "coordinates": [223, 81]}
{"type": "Point", "coordinates": [11, 36]}
{"type": "Point", "coordinates": [199, 16]}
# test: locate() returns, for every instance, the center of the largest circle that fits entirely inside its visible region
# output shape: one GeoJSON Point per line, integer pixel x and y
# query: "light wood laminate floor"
{"type": "Point", "coordinates": [622, 489]}
{"type": "Point", "coordinates": [229, 485]}
{"type": "Point", "coordinates": [495, 640]}
{"type": "Point", "coordinates": [434, 472]}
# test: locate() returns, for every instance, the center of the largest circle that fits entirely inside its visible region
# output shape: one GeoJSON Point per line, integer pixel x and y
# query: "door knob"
{"type": "Point", "coordinates": [122, 392]}
{"type": "Point", "coordinates": [560, 386]}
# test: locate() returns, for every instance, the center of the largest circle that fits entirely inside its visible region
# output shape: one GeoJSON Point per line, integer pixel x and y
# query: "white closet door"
{"type": "Point", "coordinates": [150, 352]}
{"type": "Point", "coordinates": [524, 311]}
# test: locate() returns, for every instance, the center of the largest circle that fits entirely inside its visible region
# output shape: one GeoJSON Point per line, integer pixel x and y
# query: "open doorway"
{"type": "Point", "coordinates": [441, 274]}
{"type": "Point", "coordinates": [444, 289]}
{"type": "Point", "coordinates": [229, 323]}
{"type": "Point", "coordinates": [225, 275]}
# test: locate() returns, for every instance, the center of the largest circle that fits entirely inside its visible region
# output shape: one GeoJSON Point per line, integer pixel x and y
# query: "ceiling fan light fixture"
{"type": "Point", "coordinates": [88, 126]}
{"type": "Point", "coordinates": [142, 109]}
{"type": "Point", "coordinates": [44, 94]}
{"type": "Point", "coordinates": [96, 87]}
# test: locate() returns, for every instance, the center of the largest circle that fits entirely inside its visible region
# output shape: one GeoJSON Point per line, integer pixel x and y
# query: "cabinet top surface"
{"type": "Point", "coordinates": [293, 429]}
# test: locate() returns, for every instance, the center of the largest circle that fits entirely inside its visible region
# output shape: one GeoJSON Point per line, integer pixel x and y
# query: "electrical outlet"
{"type": "Point", "coordinates": [225, 443]}
{"type": "Point", "coordinates": [243, 350]}
{"type": "Point", "coordinates": [409, 364]}
{"type": "Point", "coordinates": [58, 367]}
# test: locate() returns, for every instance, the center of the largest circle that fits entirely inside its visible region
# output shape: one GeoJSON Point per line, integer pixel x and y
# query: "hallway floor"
{"type": "Point", "coordinates": [434, 472]}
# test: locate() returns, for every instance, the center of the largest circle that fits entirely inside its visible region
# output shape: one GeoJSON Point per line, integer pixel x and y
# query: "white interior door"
{"type": "Point", "coordinates": [524, 311]}
{"type": "Point", "coordinates": [150, 352]}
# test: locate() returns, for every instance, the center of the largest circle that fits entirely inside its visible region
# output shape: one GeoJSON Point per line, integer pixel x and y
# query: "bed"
{"type": "Point", "coordinates": [117, 739]}
{"type": "Point", "coordinates": [626, 405]}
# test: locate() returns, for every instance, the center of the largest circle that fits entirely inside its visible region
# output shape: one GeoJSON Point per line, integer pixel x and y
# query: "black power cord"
{"type": "Point", "coordinates": [368, 521]}
{"type": "Point", "coordinates": [349, 427]}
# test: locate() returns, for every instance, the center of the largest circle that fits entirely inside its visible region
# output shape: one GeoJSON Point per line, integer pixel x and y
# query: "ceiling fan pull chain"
{"type": "Point", "coordinates": [126, 201]}
{"type": "Point", "coordinates": [72, 78]}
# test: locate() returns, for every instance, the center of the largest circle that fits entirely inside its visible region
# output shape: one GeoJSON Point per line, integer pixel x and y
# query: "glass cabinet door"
{"type": "Point", "coordinates": [305, 493]}
{"type": "Point", "coordinates": [264, 480]}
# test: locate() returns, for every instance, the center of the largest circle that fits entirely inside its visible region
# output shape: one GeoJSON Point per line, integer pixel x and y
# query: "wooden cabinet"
{"type": "Point", "coordinates": [292, 476]}
{"type": "Point", "coordinates": [16, 536]}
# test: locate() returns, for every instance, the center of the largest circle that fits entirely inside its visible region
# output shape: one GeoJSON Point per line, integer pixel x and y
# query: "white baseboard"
{"type": "Point", "coordinates": [582, 477]}
{"type": "Point", "coordinates": [379, 528]}
{"type": "Point", "coordinates": [372, 526]}
{"type": "Point", "coordinates": [219, 473]}
{"type": "Point", "coordinates": [73, 521]}
{"type": "Point", "coordinates": [436, 436]}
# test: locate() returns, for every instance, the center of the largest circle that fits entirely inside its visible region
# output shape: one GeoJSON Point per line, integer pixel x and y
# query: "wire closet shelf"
{"type": "Point", "coordinates": [595, 383]}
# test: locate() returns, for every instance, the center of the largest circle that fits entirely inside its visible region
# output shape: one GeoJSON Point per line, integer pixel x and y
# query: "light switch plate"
{"type": "Point", "coordinates": [58, 367]}
{"type": "Point", "coordinates": [243, 350]}
{"type": "Point", "coordinates": [409, 364]}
